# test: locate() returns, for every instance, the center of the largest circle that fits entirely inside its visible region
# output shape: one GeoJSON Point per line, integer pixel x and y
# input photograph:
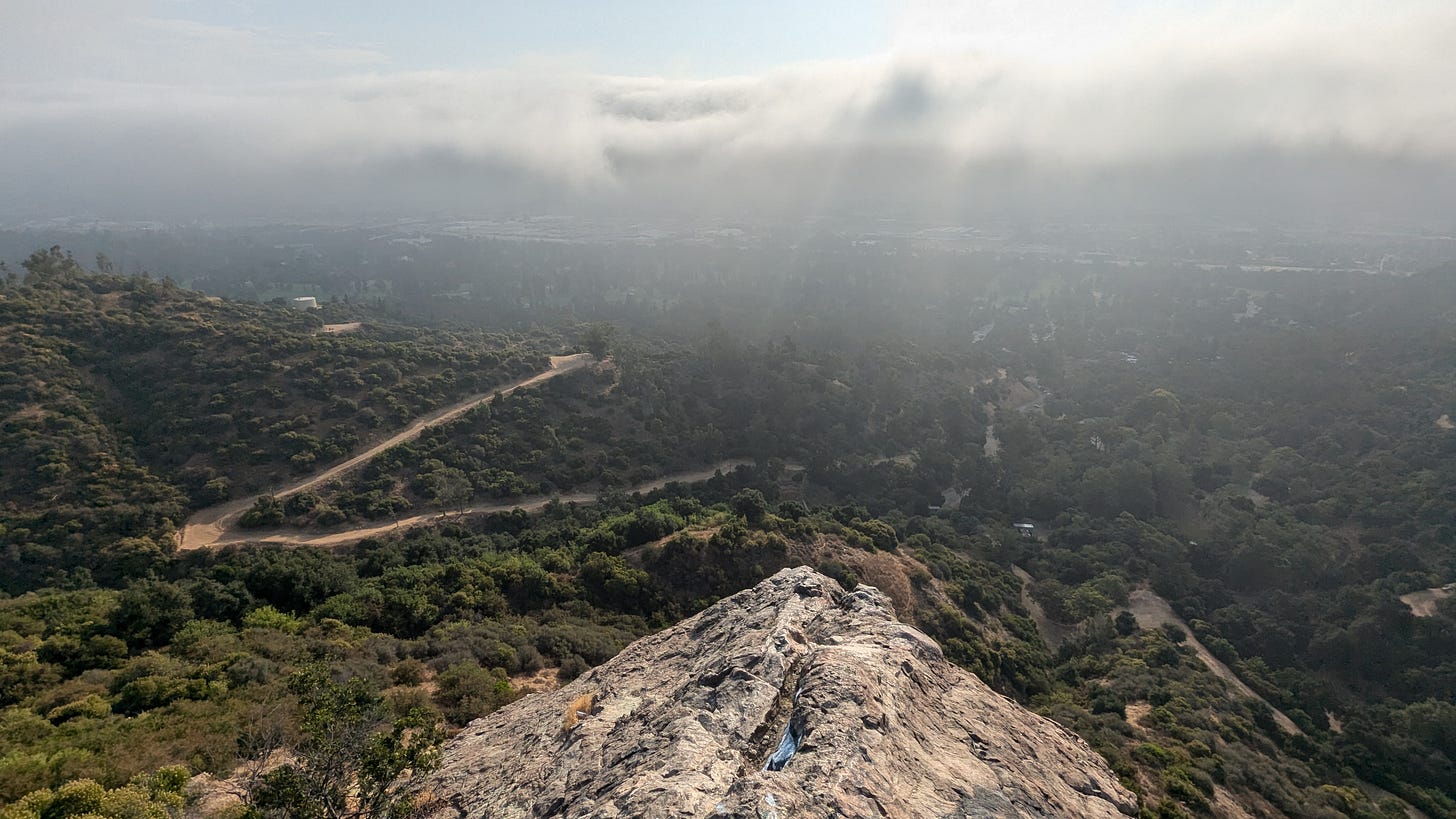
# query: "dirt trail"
{"type": "Point", "coordinates": [208, 527]}
{"type": "Point", "coordinates": [1153, 611]}
{"type": "Point", "coordinates": [1023, 397]}
{"type": "Point", "coordinates": [346, 327]}
{"type": "Point", "coordinates": [1423, 603]}
{"type": "Point", "coordinates": [1054, 634]}
{"type": "Point", "coordinates": [231, 534]}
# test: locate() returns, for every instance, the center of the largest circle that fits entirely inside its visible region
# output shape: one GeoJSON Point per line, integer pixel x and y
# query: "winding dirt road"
{"type": "Point", "coordinates": [214, 525]}
{"type": "Point", "coordinates": [230, 534]}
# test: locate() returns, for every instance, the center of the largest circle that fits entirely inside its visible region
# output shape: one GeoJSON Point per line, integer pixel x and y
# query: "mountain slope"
{"type": "Point", "coordinates": [791, 698]}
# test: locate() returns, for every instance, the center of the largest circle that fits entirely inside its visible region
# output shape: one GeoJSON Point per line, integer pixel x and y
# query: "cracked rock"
{"type": "Point", "coordinates": [688, 719]}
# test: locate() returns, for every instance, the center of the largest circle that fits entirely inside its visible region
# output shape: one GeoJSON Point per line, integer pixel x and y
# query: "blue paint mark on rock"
{"type": "Point", "coordinates": [788, 746]}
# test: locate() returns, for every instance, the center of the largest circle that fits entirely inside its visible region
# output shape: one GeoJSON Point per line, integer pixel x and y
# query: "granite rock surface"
{"type": "Point", "coordinates": [792, 698]}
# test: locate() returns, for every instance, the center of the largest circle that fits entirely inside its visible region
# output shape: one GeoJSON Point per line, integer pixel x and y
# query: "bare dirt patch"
{"type": "Point", "coordinates": [1423, 603]}
{"type": "Point", "coordinates": [29, 412]}
{"type": "Point", "coordinates": [209, 796]}
{"type": "Point", "coordinates": [1224, 805]}
{"type": "Point", "coordinates": [539, 682]}
{"type": "Point", "coordinates": [889, 574]}
{"type": "Point", "coordinates": [993, 444]}
{"type": "Point", "coordinates": [903, 459]}
{"type": "Point", "coordinates": [1019, 396]}
{"type": "Point", "coordinates": [346, 327]}
{"type": "Point", "coordinates": [1137, 714]}
{"type": "Point", "coordinates": [1445, 422]}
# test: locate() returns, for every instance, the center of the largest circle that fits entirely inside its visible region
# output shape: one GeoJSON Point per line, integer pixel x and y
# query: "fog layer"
{"type": "Point", "coordinates": [1308, 109]}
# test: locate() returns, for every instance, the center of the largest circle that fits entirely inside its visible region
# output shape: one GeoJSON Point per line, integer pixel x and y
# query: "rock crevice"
{"type": "Point", "coordinates": [793, 698]}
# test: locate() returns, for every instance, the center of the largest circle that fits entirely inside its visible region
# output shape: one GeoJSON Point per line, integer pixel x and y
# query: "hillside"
{"type": "Point", "coordinates": [1231, 514]}
{"type": "Point", "coordinates": [127, 400]}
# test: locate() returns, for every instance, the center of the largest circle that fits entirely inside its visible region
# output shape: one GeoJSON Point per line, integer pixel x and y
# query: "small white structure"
{"type": "Point", "coordinates": [303, 303]}
{"type": "Point", "coordinates": [1025, 529]}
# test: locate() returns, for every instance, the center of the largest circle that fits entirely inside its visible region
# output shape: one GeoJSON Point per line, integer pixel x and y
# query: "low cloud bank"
{"type": "Point", "coordinates": [1301, 110]}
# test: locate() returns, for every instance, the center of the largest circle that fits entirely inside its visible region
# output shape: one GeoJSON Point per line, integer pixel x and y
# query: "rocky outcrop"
{"type": "Point", "coordinates": [793, 698]}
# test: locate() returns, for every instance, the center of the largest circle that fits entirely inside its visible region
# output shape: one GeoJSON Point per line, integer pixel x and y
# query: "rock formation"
{"type": "Point", "coordinates": [791, 699]}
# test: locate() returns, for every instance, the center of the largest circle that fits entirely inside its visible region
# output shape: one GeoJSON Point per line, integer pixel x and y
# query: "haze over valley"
{"type": "Point", "coordinates": [863, 409]}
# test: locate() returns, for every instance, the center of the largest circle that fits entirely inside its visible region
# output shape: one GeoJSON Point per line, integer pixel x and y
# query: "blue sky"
{"type": "Point", "coordinates": [647, 37]}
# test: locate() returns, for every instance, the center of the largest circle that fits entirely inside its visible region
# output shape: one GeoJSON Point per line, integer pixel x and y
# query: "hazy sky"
{"type": "Point", "coordinates": [653, 38]}
{"type": "Point", "coordinates": [1099, 107]}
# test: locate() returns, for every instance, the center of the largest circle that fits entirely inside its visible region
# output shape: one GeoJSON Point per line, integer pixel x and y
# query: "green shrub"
{"type": "Point", "coordinates": [269, 617]}
{"type": "Point", "coordinates": [92, 705]}
{"type": "Point", "coordinates": [571, 667]}
{"type": "Point", "coordinates": [467, 691]}
{"type": "Point", "coordinates": [407, 672]}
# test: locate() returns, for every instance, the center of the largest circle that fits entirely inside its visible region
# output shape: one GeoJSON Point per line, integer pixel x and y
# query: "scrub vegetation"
{"type": "Point", "coordinates": [1277, 476]}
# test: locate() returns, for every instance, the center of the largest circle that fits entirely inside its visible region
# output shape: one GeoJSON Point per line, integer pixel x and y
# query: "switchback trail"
{"type": "Point", "coordinates": [211, 526]}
